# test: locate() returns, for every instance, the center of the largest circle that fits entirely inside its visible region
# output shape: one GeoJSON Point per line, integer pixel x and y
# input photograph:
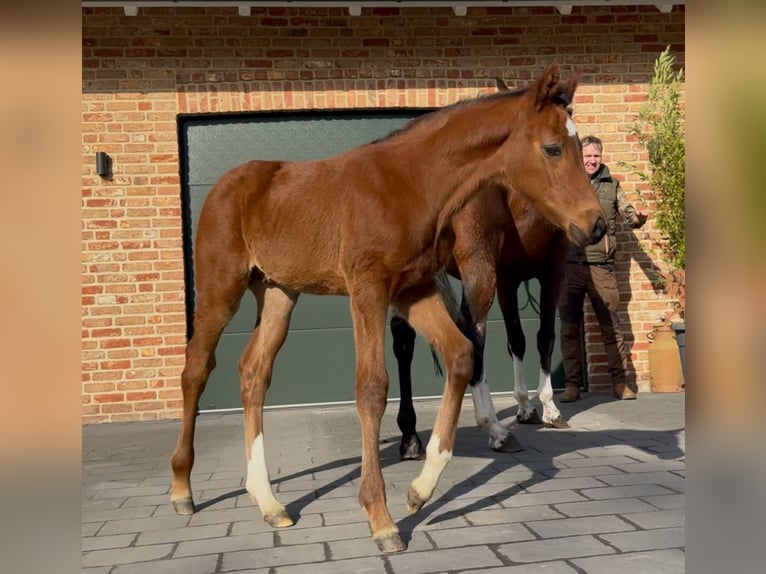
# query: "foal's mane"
{"type": "Point", "coordinates": [562, 97]}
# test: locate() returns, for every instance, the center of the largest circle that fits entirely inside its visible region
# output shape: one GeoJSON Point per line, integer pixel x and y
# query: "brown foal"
{"type": "Point", "coordinates": [373, 223]}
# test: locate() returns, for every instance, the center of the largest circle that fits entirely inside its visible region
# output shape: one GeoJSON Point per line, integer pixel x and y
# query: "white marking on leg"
{"type": "Point", "coordinates": [520, 389]}
{"type": "Point", "coordinates": [258, 484]}
{"type": "Point", "coordinates": [436, 461]}
{"type": "Point", "coordinates": [545, 394]}
{"type": "Point", "coordinates": [486, 417]}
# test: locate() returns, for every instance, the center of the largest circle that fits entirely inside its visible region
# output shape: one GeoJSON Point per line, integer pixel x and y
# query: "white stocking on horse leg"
{"type": "Point", "coordinates": [258, 486]}
{"type": "Point", "coordinates": [551, 414]}
{"type": "Point", "coordinates": [526, 413]}
{"type": "Point", "coordinates": [436, 461]}
{"type": "Point", "coordinates": [500, 438]}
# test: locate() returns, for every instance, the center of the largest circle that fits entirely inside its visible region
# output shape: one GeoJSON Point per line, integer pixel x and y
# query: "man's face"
{"type": "Point", "coordinates": [591, 158]}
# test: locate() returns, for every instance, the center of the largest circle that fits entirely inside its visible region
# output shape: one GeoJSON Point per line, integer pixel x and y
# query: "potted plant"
{"type": "Point", "coordinates": [660, 129]}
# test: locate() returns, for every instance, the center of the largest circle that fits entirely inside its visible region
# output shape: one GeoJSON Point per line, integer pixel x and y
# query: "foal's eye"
{"type": "Point", "coordinates": [552, 150]}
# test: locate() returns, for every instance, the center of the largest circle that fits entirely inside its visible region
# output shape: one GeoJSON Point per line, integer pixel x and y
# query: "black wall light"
{"type": "Point", "coordinates": [103, 164]}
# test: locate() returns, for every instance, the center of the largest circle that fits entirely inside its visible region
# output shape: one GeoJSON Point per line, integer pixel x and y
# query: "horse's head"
{"type": "Point", "coordinates": [542, 159]}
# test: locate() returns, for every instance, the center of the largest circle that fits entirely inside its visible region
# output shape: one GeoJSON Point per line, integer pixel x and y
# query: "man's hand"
{"type": "Point", "coordinates": [639, 216]}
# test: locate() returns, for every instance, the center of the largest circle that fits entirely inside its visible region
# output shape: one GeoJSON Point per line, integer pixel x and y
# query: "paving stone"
{"type": "Point", "coordinates": [576, 526]}
{"type": "Point", "coordinates": [624, 479]}
{"type": "Point", "coordinates": [126, 555]}
{"type": "Point", "coordinates": [442, 560]}
{"type": "Point", "coordinates": [537, 499]}
{"type": "Point", "coordinates": [212, 515]}
{"type": "Point", "coordinates": [536, 568]}
{"type": "Point", "coordinates": [267, 557]}
{"type": "Point", "coordinates": [360, 547]}
{"type": "Point", "coordinates": [492, 534]}
{"type": "Point", "coordinates": [554, 548]}
{"type": "Point", "coordinates": [260, 525]}
{"type": "Point", "coordinates": [659, 466]}
{"type": "Point", "coordinates": [565, 484]}
{"type": "Point", "coordinates": [613, 506]}
{"type": "Point", "coordinates": [628, 491]}
{"type": "Point", "coordinates": [616, 461]}
{"type": "Point", "coordinates": [151, 501]}
{"type": "Point", "coordinates": [371, 565]}
{"type": "Point", "coordinates": [582, 471]}
{"type": "Point", "coordinates": [666, 502]}
{"type": "Point", "coordinates": [179, 534]}
{"type": "Point", "coordinates": [224, 544]}
{"type": "Point", "coordinates": [91, 528]}
{"type": "Point", "coordinates": [647, 539]}
{"type": "Point", "coordinates": [518, 514]}
{"type": "Point", "coordinates": [195, 565]}
{"type": "Point", "coordinates": [287, 536]}
{"type": "Point", "coordinates": [650, 562]}
{"type": "Point", "coordinates": [658, 518]}
{"type": "Point", "coordinates": [105, 542]}
{"type": "Point", "coordinates": [116, 514]}
{"type": "Point", "coordinates": [144, 524]}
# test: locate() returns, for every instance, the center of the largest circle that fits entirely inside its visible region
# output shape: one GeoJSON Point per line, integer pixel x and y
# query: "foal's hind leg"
{"type": "Point", "coordinates": [429, 317]}
{"type": "Point", "coordinates": [411, 447]}
{"type": "Point", "coordinates": [221, 282]}
{"type": "Point", "coordinates": [255, 368]}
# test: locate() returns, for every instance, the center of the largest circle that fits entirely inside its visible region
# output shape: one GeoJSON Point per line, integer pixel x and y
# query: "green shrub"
{"type": "Point", "coordinates": [660, 128]}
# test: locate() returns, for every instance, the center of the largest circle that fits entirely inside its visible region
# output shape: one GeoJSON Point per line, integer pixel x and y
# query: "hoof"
{"type": "Point", "coordinates": [279, 519]}
{"type": "Point", "coordinates": [509, 444]}
{"type": "Point", "coordinates": [412, 449]}
{"type": "Point", "coordinates": [390, 543]}
{"type": "Point", "coordinates": [183, 506]}
{"type": "Point", "coordinates": [414, 501]}
{"type": "Point", "coordinates": [530, 418]}
{"type": "Point", "coordinates": [558, 423]}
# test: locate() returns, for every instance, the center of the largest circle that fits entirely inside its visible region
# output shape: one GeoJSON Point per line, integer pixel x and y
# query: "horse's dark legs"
{"type": "Point", "coordinates": [546, 337]}
{"type": "Point", "coordinates": [221, 283]}
{"type": "Point", "coordinates": [369, 307]}
{"type": "Point", "coordinates": [255, 367]}
{"type": "Point", "coordinates": [478, 293]}
{"type": "Point", "coordinates": [411, 447]}
{"type": "Point", "coordinates": [507, 296]}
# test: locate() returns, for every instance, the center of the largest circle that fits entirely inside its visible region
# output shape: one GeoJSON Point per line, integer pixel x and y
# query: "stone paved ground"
{"type": "Point", "coordinates": [605, 496]}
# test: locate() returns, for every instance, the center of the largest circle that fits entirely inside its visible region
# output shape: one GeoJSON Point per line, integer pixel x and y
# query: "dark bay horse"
{"type": "Point", "coordinates": [501, 240]}
{"type": "Point", "coordinates": [373, 223]}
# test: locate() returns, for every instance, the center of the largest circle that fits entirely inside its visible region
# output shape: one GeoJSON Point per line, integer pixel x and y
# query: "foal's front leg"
{"type": "Point", "coordinates": [255, 368]}
{"type": "Point", "coordinates": [429, 317]}
{"type": "Point", "coordinates": [368, 310]}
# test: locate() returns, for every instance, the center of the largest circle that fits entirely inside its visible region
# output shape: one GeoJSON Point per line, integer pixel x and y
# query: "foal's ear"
{"type": "Point", "coordinates": [547, 86]}
{"type": "Point", "coordinates": [501, 85]}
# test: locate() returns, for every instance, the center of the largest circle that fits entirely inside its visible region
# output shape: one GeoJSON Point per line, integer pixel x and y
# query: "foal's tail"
{"type": "Point", "coordinates": [453, 308]}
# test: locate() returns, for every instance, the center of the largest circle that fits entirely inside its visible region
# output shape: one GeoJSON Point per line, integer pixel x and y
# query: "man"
{"type": "Point", "coordinates": [591, 271]}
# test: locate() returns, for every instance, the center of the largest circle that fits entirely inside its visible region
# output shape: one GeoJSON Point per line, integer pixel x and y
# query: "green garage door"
{"type": "Point", "coordinates": [316, 364]}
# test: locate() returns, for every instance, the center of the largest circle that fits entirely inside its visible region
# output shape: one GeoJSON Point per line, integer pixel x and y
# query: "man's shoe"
{"type": "Point", "coordinates": [571, 394]}
{"type": "Point", "coordinates": [623, 392]}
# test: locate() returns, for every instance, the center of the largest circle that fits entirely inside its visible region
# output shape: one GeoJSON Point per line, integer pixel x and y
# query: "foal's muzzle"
{"type": "Point", "coordinates": [596, 233]}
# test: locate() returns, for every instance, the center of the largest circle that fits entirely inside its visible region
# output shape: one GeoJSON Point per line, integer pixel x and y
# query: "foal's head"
{"type": "Point", "coordinates": [541, 157]}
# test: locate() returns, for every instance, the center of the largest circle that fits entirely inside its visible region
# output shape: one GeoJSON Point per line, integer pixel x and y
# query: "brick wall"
{"type": "Point", "coordinates": [140, 72]}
